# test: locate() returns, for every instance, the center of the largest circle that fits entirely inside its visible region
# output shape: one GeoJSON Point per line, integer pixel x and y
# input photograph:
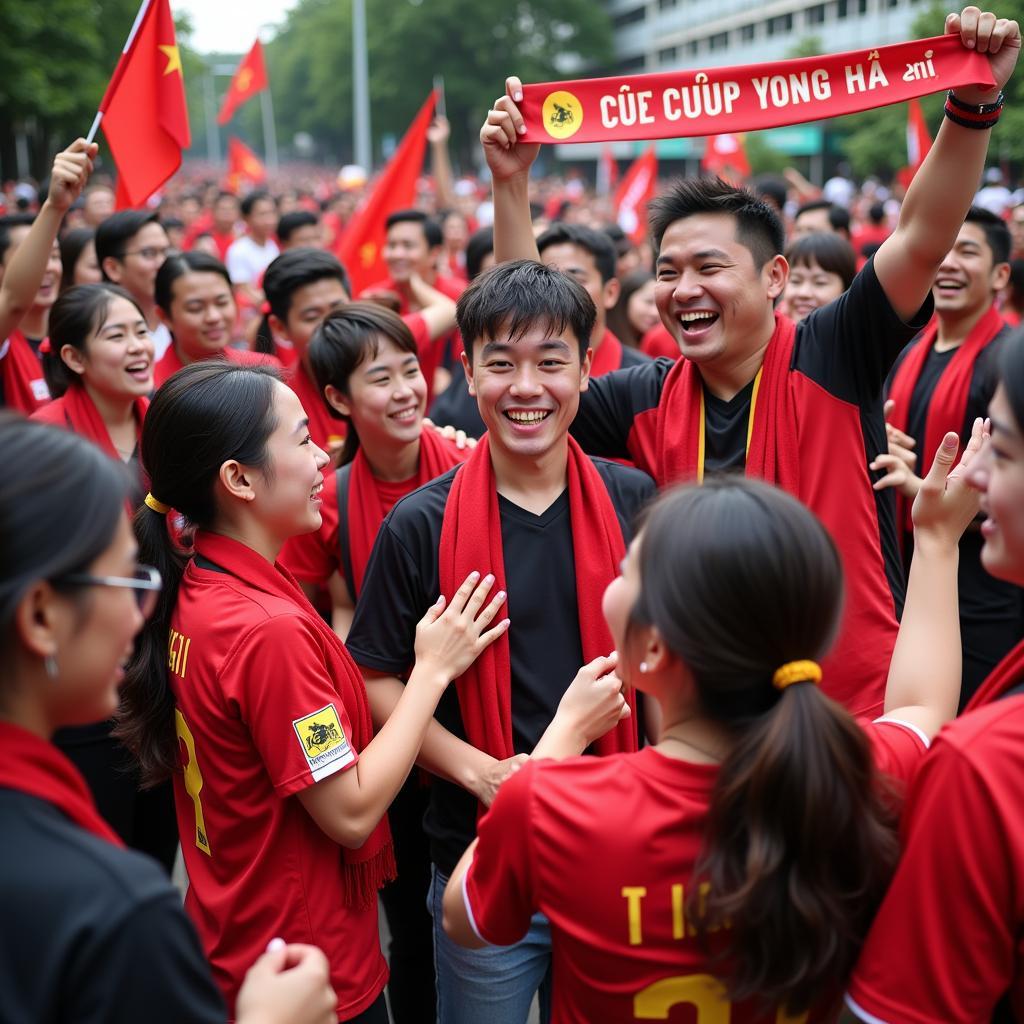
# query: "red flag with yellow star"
{"type": "Point", "coordinates": [144, 115]}
{"type": "Point", "coordinates": [361, 245]}
{"type": "Point", "coordinates": [250, 78]}
{"type": "Point", "coordinates": [243, 165]}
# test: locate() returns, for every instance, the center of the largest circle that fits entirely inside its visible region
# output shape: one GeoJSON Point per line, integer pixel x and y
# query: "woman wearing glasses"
{"type": "Point", "coordinates": [100, 933]}
{"type": "Point", "coordinates": [246, 698]}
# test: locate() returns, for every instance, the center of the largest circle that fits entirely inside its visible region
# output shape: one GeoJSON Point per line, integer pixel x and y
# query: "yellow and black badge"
{"type": "Point", "coordinates": [323, 741]}
{"type": "Point", "coordinates": [563, 115]}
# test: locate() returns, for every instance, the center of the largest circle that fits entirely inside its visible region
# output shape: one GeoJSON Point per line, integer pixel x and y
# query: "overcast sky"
{"type": "Point", "coordinates": [230, 25]}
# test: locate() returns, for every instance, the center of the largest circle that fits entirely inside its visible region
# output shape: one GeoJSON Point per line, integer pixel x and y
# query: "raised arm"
{"type": "Point", "coordinates": [437, 135]}
{"type": "Point", "coordinates": [436, 308]}
{"type": "Point", "coordinates": [509, 161]}
{"type": "Point", "coordinates": [942, 190]}
{"type": "Point", "coordinates": [24, 274]}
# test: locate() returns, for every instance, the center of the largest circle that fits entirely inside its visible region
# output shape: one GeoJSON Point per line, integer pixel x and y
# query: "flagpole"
{"type": "Point", "coordinates": [143, 7]}
{"type": "Point", "coordinates": [269, 132]}
{"type": "Point", "coordinates": [361, 87]}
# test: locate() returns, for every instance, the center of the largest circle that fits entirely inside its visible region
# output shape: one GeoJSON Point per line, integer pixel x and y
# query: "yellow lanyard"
{"type": "Point", "coordinates": [703, 421]}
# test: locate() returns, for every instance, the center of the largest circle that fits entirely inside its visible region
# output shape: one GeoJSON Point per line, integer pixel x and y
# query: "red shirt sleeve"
{"type": "Point", "coordinates": [898, 747]}
{"type": "Point", "coordinates": [942, 947]}
{"type": "Point", "coordinates": [499, 887]}
{"type": "Point", "coordinates": [314, 557]}
{"type": "Point", "coordinates": [277, 678]}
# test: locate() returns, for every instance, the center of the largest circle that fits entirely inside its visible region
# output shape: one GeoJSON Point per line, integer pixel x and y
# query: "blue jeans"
{"type": "Point", "coordinates": [495, 984]}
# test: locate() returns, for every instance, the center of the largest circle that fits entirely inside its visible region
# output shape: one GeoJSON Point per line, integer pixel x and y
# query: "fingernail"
{"type": "Point", "coordinates": [522, 129]}
{"type": "Point", "coordinates": [501, 595]}
{"type": "Point", "coordinates": [489, 578]}
{"type": "Point", "coordinates": [275, 944]}
{"type": "Point", "coordinates": [518, 96]}
{"type": "Point", "coordinates": [949, 442]}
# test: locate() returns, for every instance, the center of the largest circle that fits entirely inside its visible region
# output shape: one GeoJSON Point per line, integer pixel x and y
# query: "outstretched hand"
{"type": "Point", "coordinates": [998, 38]}
{"type": "Point", "coordinates": [71, 170]}
{"type": "Point", "coordinates": [506, 156]}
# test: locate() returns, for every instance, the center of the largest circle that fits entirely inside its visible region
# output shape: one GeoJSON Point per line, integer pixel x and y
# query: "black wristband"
{"type": "Point", "coordinates": [964, 123]}
{"type": "Point", "coordinates": [976, 108]}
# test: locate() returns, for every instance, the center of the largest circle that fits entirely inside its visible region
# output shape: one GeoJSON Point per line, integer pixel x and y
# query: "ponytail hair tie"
{"type": "Point", "coordinates": [45, 348]}
{"type": "Point", "coordinates": [265, 308]}
{"type": "Point", "coordinates": [796, 672]}
{"type": "Point", "coordinates": [157, 506]}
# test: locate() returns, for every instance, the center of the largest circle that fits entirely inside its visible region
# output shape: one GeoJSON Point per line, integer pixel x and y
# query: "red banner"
{"type": "Point", "coordinates": [740, 99]}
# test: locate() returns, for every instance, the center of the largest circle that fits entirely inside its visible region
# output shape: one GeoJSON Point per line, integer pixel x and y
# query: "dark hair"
{"type": "Point", "coordinates": [224, 195]}
{"type": "Point", "coordinates": [997, 234]}
{"type": "Point", "coordinates": [431, 229]}
{"type": "Point", "coordinates": [1011, 374]}
{"type": "Point", "coordinates": [114, 234]}
{"type": "Point", "coordinates": [76, 314]}
{"type": "Point", "coordinates": [838, 216]}
{"type": "Point", "coordinates": [478, 248]}
{"type": "Point", "coordinates": [739, 579]}
{"type": "Point", "coordinates": [201, 417]}
{"type": "Point", "coordinates": [345, 339]}
{"type": "Point", "coordinates": [289, 223]}
{"type": "Point", "coordinates": [12, 220]}
{"type": "Point", "coordinates": [178, 265]}
{"type": "Point", "coordinates": [60, 502]}
{"type": "Point", "coordinates": [758, 226]}
{"type": "Point", "coordinates": [772, 189]}
{"type": "Point", "coordinates": [597, 243]}
{"type": "Point", "coordinates": [512, 297]}
{"type": "Point", "coordinates": [253, 198]}
{"type": "Point", "coordinates": [72, 245]}
{"type": "Point", "coordinates": [286, 274]}
{"type": "Point", "coordinates": [618, 316]}
{"type": "Point", "coordinates": [831, 252]}
{"type": "Point", "coordinates": [876, 213]}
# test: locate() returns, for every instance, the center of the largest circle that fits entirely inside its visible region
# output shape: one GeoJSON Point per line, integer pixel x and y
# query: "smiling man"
{"type": "Point", "coordinates": [551, 524]}
{"type": "Point", "coordinates": [798, 405]}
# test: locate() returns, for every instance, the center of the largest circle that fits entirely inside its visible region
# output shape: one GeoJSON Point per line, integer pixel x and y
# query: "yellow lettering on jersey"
{"type": "Point", "coordinates": [678, 912]}
{"type": "Point", "coordinates": [193, 779]}
{"type": "Point", "coordinates": [633, 894]}
{"type": "Point", "coordinates": [703, 992]}
{"type": "Point", "coordinates": [177, 653]}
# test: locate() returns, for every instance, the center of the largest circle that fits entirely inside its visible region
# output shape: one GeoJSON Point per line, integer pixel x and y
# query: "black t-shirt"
{"type": "Point", "coordinates": [92, 933]}
{"type": "Point", "coordinates": [725, 430]}
{"type": "Point", "coordinates": [402, 581]}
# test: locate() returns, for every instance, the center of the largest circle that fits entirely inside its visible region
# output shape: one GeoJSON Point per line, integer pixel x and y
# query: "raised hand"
{"type": "Point", "coordinates": [71, 170]}
{"type": "Point", "coordinates": [999, 38]}
{"type": "Point", "coordinates": [506, 156]}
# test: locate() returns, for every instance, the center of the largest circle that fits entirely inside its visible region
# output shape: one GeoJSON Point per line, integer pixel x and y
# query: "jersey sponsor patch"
{"type": "Point", "coordinates": [323, 742]}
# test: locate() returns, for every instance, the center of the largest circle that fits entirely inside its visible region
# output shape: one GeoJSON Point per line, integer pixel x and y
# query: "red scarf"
{"type": "Point", "coordinates": [76, 411]}
{"type": "Point", "coordinates": [367, 505]}
{"type": "Point", "coordinates": [1005, 676]}
{"type": "Point", "coordinates": [30, 765]}
{"type": "Point", "coordinates": [608, 355]}
{"type": "Point", "coordinates": [948, 405]}
{"type": "Point", "coordinates": [471, 540]}
{"type": "Point", "coordinates": [772, 451]}
{"type": "Point", "coordinates": [373, 864]}
{"type": "Point", "coordinates": [24, 386]}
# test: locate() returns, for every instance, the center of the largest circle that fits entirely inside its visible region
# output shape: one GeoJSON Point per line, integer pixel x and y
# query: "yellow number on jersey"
{"type": "Point", "coordinates": [193, 779]}
{"type": "Point", "coordinates": [704, 992]}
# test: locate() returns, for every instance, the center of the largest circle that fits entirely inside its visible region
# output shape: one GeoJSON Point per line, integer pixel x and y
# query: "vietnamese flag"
{"type": "Point", "coordinates": [361, 245]}
{"type": "Point", "coordinates": [143, 111]}
{"type": "Point", "coordinates": [726, 156]}
{"type": "Point", "coordinates": [919, 142]}
{"type": "Point", "coordinates": [250, 78]}
{"type": "Point", "coordinates": [243, 165]}
{"type": "Point", "coordinates": [635, 191]}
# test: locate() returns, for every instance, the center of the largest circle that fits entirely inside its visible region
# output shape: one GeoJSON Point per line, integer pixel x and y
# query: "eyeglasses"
{"type": "Point", "coordinates": [150, 253]}
{"type": "Point", "coordinates": [146, 583]}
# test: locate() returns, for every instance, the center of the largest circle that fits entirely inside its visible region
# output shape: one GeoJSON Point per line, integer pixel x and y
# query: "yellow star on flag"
{"type": "Point", "coordinates": [244, 79]}
{"type": "Point", "coordinates": [173, 58]}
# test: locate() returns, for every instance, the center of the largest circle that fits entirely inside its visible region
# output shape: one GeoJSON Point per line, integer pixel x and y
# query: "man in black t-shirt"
{"type": "Point", "coordinates": [526, 329]}
{"type": "Point", "coordinates": [817, 424]}
{"type": "Point", "coordinates": [946, 386]}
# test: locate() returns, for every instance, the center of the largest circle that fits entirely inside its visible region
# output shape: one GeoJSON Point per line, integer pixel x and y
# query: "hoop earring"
{"type": "Point", "coordinates": [50, 665]}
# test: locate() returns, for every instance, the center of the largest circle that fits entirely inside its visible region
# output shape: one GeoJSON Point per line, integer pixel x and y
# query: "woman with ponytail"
{"type": "Point", "coordinates": [242, 694]}
{"type": "Point", "coordinates": [365, 362]}
{"type": "Point", "coordinates": [734, 867]}
{"type": "Point", "coordinates": [946, 943]}
{"type": "Point", "coordinates": [92, 931]}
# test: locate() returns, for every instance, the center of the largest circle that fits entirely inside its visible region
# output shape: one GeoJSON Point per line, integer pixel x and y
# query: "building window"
{"type": "Point", "coordinates": [630, 17]}
{"type": "Point", "coordinates": [747, 33]}
{"type": "Point", "coordinates": [719, 41]}
{"type": "Point", "coordinates": [781, 24]}
{"type": "Point", "coordinates": [842, 9]}
{"type": "Point", "coordinates": [816, 14]}
{"type": "Point", "coordinates": [892, 3]}
{"type": "Point", "coordinates": [667, 5]}
{"type": "Point", "coordinates": [669, 55]}
{"type": "Point", "coordinates": [862, 6]}
{"type": "Point", "coordinates": [631, 64]}
{"type": "Point", "coordinates": [691, 48]}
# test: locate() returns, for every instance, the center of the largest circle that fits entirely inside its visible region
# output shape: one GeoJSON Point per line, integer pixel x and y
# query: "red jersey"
{"type": "Point", "coordinates": [659, 342]}
{"type": "Point", "coordinates": [250, 679]}
{"type": "Point", "coordinates": [606, 848]}
{"type": "Point", "coordinates": [21, 375]}
{"type": "Point", "coordinates": [170, 362]}
{"type": "Point", "coordinates": [948, 942]}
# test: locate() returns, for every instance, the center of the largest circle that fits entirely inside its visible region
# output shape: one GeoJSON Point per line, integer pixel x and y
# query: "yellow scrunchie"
{"type": "Point", "coordinates": [797, 672]}
{"type": "Point", "coordinates": [157, 506]}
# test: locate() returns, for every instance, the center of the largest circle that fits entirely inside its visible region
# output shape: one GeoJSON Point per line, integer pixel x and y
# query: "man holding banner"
{"type": "Point", "coordinates": [798, 405]}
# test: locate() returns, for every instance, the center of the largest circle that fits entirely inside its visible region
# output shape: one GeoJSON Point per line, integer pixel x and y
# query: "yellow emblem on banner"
{"type": "Point", "coordinates": [563, 115]}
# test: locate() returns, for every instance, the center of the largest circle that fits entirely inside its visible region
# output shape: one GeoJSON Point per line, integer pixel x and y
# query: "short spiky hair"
{"type": "Point", "coordinates": [513, 297]}
{"type": "Point", "coordinates": [758, 227]}
{"type": "Point", "coordinates": [997, 234]}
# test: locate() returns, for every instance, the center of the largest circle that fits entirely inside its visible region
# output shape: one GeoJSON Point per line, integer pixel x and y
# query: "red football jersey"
{"type": "Point", "coordinates": [606, 848]}
{"type": "Point", "coordinates": [253, 693]}
{"type": "Point", "coordinates": [947, 943]}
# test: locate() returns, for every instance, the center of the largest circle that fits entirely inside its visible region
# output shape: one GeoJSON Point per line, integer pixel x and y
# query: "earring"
{"type": "Point", "coordinates": [50, 664]}
{"type": "Point", "coordinates": [643, 666]}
